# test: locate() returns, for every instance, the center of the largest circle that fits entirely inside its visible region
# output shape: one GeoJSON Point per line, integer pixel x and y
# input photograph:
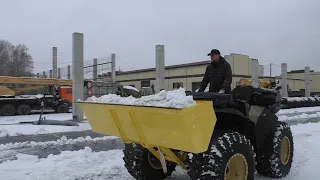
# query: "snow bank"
{"type": "Point", "coordinates": [299, 99]}
{"type": "Point", "coordinates": [300, 116]}
{"type": "Point", "coordinates": [171, 99]}
{"type": "Point", "coordinates": [69, 165]}
{"type": "Point", "coordinates": [298, 110]}
{"type": "Point", "coordinates": [27, 129]}
{"type": "Point", "coordinates": [62, 141]}
{"type": "Point", "coordinates": [130, 87]}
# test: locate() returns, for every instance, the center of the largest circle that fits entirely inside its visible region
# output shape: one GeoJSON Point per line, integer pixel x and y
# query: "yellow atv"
{"type": "Point", "coordinates": [224, 136]}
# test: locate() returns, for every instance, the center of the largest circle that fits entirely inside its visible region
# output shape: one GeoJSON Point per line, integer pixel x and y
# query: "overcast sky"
{"type": "Point", "coordinates": [273, 31]}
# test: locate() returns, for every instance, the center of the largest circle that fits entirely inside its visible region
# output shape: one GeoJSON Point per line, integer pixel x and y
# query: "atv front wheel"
{"type": "Point", "coordinates": [279, 164]}
{"type": "Point", "coordinates": [142, 164]}
{"type": "Point", "coordinates": [230, 156]}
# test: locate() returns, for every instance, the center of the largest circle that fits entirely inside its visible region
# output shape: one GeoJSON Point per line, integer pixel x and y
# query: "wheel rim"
{"type": "Point", "coordinates": [153, 161]}
{"type": "Point", "coordinates": [237, 168]}
{"type": "Point", "coordinates": [285, 150]}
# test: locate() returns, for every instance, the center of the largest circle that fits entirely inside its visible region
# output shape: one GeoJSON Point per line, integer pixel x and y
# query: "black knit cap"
{"type": "Point", "coordinates": [213, 52]}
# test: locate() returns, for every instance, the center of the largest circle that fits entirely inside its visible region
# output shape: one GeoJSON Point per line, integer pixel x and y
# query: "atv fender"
{"type": "Point", "coordinates": [235, 120]}
{"type": "Point", "coordinates": [265, 125]}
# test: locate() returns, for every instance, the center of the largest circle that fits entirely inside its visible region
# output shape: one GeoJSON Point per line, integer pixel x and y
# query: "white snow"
{"type": "Point", "coordinates": [300, 116]}
{"type": "Point", "coordinates": [62, 141]}
{"type": "Point", "coordinates": [85, 164]}
{"type": "Point", "coordinates": [130, 87]}
{"type": "Point", "coordinates": [298, 110]}
{"type": "Point", "coordinates": [12, 129]}
{"type": "Point", "coordinates": [27, 129]}
{"type": "Point", "coordinates": [298, 99]}
{"type": "Point", "coordinates": [170, 99]}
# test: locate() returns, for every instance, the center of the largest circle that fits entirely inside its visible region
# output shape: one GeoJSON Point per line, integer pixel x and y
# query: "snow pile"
{"type": "Point", "coordinates": [70, 165]}
{"type": "Point", "coordinates": [170, 99]}
{"type": "Point", "coordinates": [300, 116]}
{"type": "Point", "coordinates": [27, 129]}
{"type": "Point", "coordinates": [131, 88]}
{"type": "Point", "coordinates": [299, 99]}
{"type": "Point", "coordinates": [62, 141]}
{"type": "Point", "coordinates": [298, 110]}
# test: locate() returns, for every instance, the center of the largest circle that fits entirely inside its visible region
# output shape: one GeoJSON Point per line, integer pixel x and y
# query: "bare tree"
{"type": "Point", "coordinates": [15, 60]}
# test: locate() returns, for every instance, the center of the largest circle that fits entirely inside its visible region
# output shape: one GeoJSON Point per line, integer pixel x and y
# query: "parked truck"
{"type": "Point", "coordinates": [57, 94]}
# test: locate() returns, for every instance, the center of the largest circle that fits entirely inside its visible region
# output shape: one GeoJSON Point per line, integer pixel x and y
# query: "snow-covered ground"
{"type": "Point", "coordinates": [85, 164]}
{"type": "Point", "coordinates": [299, 110]}
{"type": "Point", "coordinates": [9, 125]}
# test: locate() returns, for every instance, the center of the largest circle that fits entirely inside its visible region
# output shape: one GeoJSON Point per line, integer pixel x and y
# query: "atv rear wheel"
{"type": "Point", "coordinates": [230, 157]}
{"type": "Point", "coordinates": [279, 164]}
{"type": "Point", "coordinates": [142, 165]}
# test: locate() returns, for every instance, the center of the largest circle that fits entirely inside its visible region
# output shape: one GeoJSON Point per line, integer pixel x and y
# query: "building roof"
{"type": "Point", "coordinates": [166, 67]}
{"type": "Point", "coordinates": [298, 71]}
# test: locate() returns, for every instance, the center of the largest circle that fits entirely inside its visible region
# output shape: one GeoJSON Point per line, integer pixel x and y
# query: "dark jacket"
{"type": "Point", "coordinates": [219, 75]}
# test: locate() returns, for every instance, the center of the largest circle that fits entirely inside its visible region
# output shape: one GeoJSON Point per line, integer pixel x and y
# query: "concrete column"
{"type": "Point", "coordinates": [284, 80]}
{"type": "Point", "coordinates": [54, 62]}
{"type": "Point", "coordinates": [38, 75]}
{"type": "Point", "coordinates": [160, 68]}
{"type": "Point", "coordinates": [44, 74]}
{"type": "Point", "coordinates": [113, 67]}
{"type": "Point", "coordinates": [50, 74]}
{"type": "Point", "coordinates": [95, 69]}
{"type": "Point", "coordinates": [77, 74]}
{"type": "Point", "coordinates": [255, 73]}
{"type": "Point", "coordinates": [59, 73]}
{"type": "Point", "coordinates": [307, 83]}
{"type": "Point", "coordinates": [69, 72]}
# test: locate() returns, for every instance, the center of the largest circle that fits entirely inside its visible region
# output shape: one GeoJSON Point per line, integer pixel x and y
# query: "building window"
{"type": "Point", "coordinates": [145, 83]}
{"type": "Point", "coordinates": [177, 85]}
{"type": "Point", "coordinates": [195, 86]}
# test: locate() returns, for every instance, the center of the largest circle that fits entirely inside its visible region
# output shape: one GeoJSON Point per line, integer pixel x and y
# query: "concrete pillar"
{"type": "Point", "coordinates": [59, 73]}
{"type": "Point", "coordinates": [77, 75]}
{"type": "Point", "coordinates": [44, 74]}
{"type": "Point", "coordinates": [284, 80]}
{"type": "Point", "coordinates": [54, 62]}
{"type": "Point", "coordinates": [307, 83]}
{"type": "Point", "coordinates": [160, 68]}
{"type": "Point", "coordinates": [38, 75]}
{"type": "Point", "coordinates": [69, 72]}
{"type": "Point", "coordinates": [113, 67]}
{"type": "Point", "coordinates": [255, 73]}
{"type": "Point", "coordinates": [50, 74]}
{"type": "Point", "coordinates": [95, 69]}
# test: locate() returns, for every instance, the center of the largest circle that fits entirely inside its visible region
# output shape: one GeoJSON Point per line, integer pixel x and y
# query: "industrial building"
{"type": "Point", "coordinates": [189, 76]}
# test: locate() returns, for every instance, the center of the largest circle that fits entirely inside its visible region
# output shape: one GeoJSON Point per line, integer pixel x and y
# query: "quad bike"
{"type": "Point", "coordinates": [224, 136]}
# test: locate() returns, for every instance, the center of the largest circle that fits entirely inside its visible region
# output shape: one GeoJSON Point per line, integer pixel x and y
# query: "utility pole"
{"type": "Point", "coordinates": [270, 70]}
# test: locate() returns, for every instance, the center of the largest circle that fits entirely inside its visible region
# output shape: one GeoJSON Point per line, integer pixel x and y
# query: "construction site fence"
{"type": "Point", "coordinates": [99, 89]}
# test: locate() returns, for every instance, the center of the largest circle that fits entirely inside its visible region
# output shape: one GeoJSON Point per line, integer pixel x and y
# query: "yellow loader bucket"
{"type": "Point", "coordinates": [188, 129]}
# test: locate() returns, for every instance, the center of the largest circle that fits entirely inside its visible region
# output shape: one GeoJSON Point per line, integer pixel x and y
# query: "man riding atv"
{"type": "Point", "coordinates": [218, 74]}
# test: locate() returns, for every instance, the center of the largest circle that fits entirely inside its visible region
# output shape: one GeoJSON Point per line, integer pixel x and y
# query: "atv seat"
{"type": "Point", "coordinates": [218, 100]}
